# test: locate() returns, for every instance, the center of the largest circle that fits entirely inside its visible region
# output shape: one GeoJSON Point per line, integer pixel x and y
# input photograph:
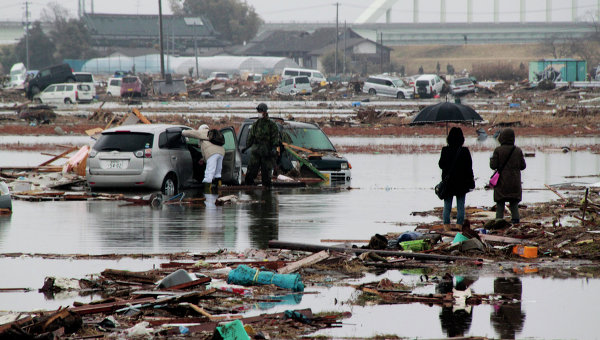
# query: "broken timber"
{"type": "Point", "coordinates": [305, 162]}
{"type": "Point", "coordinates": [317, 248]}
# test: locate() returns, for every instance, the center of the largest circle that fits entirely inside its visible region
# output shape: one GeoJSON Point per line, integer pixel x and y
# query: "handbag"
{"type": "Point", "coordinates": [496, 175]}
{"type": "Point", "coordinates": [441, 188]}
{"type": "Point", "coordinates": [494, 178]}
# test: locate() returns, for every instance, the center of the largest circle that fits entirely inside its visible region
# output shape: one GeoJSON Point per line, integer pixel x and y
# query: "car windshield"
{"type": "Point", "coordinates": [83, 78]}
{"type": "Point", "coordinates": [310, 138]}
{"type": "Point", "coordinates": [399, 83]}
{"type": "Point", "coordinates": [462, 81]}
{"type": "Point", "coordinates": [302, 80]}
{"type": "Point", "coordinates": [124, 141]}
{"type": "Point", "coordinates": [129, 80]}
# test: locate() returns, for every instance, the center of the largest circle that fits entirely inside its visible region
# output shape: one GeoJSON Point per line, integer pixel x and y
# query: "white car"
{"type": "Point", "coordinates": [315, 76]}
{"type": "Point", "coordinates": [387, 86]}
{"type": "Point", "coordinates": [86, 78]}
{"type": "Point", "coordinates": [428, 85]}
{"type": "Point", "coordinates": [294, 86]}
{"type": "Point", "coordinates": [461, 86]}
{"type": "Point", "coordinates": [113, 87]}
{"type": "Point", "coordinates": [68, 93]}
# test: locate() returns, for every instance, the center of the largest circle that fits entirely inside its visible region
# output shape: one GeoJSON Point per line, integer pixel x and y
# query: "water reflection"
{"type": "Point", "coordinates": [508, 318]}
{"type": "Point", "coordinates": [455, 318]}
{"type": "Point", "coordinates": [263, 217]}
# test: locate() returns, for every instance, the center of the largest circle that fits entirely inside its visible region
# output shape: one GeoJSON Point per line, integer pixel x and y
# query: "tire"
{"type": "Point", "coordinates": [109, 94]}
{"type": "Point", "coordinates": [70, 80]}
{"type": "Point", "coordinates": [400, 95]}
{"type": "Point", "coordinates": [37, 100]}
{"type": "Point", "coordinates": [293, 92]}
{"type": "Point", "coordinates": [372, 92]}
{"type": "Point", "coordinates": [169, 186]}
{"type": "Point", "coordinates": [68, 101]}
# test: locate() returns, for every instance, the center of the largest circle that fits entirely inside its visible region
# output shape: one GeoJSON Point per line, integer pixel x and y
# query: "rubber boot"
{"type": "Point", "coordinates": [216, 182]}
{"type": "Point", "coordinates": [207, 188]}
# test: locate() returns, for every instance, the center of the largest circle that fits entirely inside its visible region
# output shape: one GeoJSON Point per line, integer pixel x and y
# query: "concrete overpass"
{"type": "Point", "coordinates": [396, 34]}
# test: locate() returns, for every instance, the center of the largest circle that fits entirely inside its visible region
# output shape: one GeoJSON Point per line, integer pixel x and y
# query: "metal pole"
{"type": "Point", "coordinates": [345, 47]}
{"type": "Point", "coordinates": [196, 52]}
{"type": "Point", "coordinates": [337, 37]}
{"type": "Point", "coordinates": [162, 52]}
{"type": "Point", "coordinates": [381, 53]}
{"type": "Point", "coordinates": [27, 34]}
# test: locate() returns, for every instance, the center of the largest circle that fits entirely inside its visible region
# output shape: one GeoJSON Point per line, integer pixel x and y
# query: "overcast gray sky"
{"type": "Point", "coordinates": [324, 11]}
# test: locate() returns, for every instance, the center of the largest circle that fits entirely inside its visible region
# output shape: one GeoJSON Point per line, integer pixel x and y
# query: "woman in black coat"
{"type": "Point", "coordinates": [461, 179]}
{"type": "Point", "coordinates": [508, 188]}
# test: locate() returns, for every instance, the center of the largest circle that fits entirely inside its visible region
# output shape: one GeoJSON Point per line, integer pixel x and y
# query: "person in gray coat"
{"type": "Point", "coordinates": [509, 159]}
{"type": "Point", "coordinates": [212, 155]}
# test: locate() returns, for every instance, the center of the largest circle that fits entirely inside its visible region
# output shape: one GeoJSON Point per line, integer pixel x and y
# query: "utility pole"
{"type": "Point", "coordinates": [162, 52]}
{"type": "Point", "coordinates": [345, 47]}
{"type": "Point", "coordinates": [27, 34]}
{"type": "Point", "coordinates": [337, 37]}
{"type": "Point", "coordinates": [381, 53]}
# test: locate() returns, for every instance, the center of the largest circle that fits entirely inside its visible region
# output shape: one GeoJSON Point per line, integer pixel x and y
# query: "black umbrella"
{"type": "Point", "coordinates": [446, 112]}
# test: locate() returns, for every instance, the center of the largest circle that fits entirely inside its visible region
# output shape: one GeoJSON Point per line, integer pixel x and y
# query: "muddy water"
{"type": "Point", "coordinates": [386, 189]}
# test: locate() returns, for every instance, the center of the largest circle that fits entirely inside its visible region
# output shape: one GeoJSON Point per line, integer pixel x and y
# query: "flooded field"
{"type": "Point", "coordinates": [386, 189]}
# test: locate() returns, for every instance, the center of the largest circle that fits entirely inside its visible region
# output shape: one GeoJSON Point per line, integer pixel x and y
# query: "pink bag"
{"type": "Point", "coordinates": [494, 179]}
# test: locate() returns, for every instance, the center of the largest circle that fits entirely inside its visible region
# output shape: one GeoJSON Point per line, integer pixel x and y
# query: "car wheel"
{"type": "Point", "coordinates": [70, 80]}
{"type": "Point", "coordinates": [169, 186]}
{"type": "Point", "coordinates": [109, 94]}
{"type": "Point", "coordinates": [68, 101]}
{"type": "Point", "coordinates": [37, 100]}
{"type": "Point", "coordinates": [293, 92]}
{"type": "Point", "coordinates": [35, 90]}
{"type": "Point", "coordinates": [400, 95]}
{"type": "Point", "coordinates": [372, 92]}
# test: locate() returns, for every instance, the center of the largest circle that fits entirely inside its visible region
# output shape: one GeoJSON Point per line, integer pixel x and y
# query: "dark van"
{"type": "Point", "coordinates": [47, 76]}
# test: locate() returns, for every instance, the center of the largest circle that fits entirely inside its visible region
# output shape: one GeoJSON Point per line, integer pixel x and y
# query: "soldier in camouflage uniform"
{"type": "Point", "coordinates": [264, 140]}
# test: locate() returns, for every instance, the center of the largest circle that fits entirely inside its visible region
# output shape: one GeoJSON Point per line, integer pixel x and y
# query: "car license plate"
{"type": "Point", "coordinates": [116, 164]}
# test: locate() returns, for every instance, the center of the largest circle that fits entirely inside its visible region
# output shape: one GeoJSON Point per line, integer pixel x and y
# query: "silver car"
{"type": "Point", "coordinates": [155, 157]}
{"type": "Point", "coordinates": [388, 86]}
{"type": "Point", "coordinates": [295, 85]}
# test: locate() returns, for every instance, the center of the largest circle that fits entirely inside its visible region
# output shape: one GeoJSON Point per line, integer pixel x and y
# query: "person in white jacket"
{"type": "Point", "coordinates": [212, 155]}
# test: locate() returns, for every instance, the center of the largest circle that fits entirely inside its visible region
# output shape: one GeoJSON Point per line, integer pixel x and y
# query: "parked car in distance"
{"type": "Point", "coordinates": [461, 86]}
{"type": "Point", "coordinates": [315, 76]}
{"type": "Point", "coordinates": [113, 87]}
{"type": "Point", "coordinates": [131, 86]}
{"type": "Point", "coordinates": [67, 93]}
{"type": "Point", "coordinates": [153, 157]}
{"type": "Point", "coordinates": [50, 75]}
{"type": "Point", "coordinates": [86, 78]}
{"type": "Point", "coordinates": [428, 85]}
{"type": "Point", "coordinates": [18, 76]}
{"type": "Point", "coordinates": [307, 136]}
{"type": "Point", "coordinates": [383, 85]}
{"type": "Point", "coordinates": [294, 86]}
{"type": "Point", "coordinates": [218, 76]}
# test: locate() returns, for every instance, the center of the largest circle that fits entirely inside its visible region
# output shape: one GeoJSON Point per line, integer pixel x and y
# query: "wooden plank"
{"type": "Point", "coordinates": [140, 116]}
{"type": "Point", "coordinates": [554, 191]}
{"type": "Point", "coordinates": [73, 148]}
{"type": "Point", "coordinates": [190, 284]}
{"type": "Point", "coordinates": [307, 261]}
{"type": "Point", "coordinates": [109, 307]}
{"type": "Point", "coordinates": [305, 163]}
{"type": "Point", "coordinates": [316, 248]}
